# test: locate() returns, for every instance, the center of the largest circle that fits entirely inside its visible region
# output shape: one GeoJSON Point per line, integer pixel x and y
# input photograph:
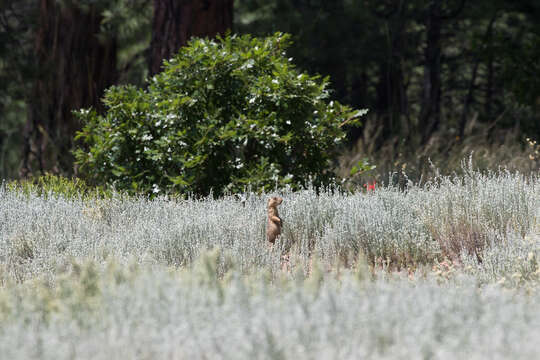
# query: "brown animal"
{"type": "Point", "coordinates": [273, 226]}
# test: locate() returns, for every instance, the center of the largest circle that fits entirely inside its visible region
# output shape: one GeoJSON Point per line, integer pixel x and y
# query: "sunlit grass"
{"type": "Point", "coordinates": [448, 269]}
{"type": "Point", "coordinates": [140, 312]}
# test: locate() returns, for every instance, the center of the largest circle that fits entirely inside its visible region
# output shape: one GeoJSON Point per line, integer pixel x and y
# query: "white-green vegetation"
{"type": "Point", "coordinates": [143, 313]}
{"type": "Point", "coordinates": [368, 275]}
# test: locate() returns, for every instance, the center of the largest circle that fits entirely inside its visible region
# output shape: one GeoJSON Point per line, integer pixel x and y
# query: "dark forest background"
{"type": "Point", "coordinates": [441, 79]}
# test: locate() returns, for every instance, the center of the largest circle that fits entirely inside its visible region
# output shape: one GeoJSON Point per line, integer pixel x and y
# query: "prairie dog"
{"type": "Point", "coordinates": [273, 226]}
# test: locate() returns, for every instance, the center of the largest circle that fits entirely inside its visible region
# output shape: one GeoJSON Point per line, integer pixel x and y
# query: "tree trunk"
{"type": "Point", "coordinates": [430, 112]}
{"type": "Point", "coordinates": [397, 105]}
{"type": "Point", "coordinates": [76, 64]}
{"type": "Point", "coordinates": [175, 22]}
{"type": "Point", "coordinates": [470, 91]}
{"type": "Point", "coordinates": [490, 74]}
{"type": "Point", "coordinates": [392, 102]}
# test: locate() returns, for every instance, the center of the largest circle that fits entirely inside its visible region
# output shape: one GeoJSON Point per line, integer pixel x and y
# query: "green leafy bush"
{"type": "Point", "coordinates": [223, 115]}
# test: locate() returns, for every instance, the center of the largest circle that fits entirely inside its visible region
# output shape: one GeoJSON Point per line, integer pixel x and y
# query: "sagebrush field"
{"type": "Point", "coordinates": [441, 270]}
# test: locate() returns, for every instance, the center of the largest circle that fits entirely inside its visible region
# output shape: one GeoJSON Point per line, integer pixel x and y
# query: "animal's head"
{"type": "Point", "coordinates": [274, 201]}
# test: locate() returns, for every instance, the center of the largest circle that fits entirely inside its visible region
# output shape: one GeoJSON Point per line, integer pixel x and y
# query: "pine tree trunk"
{"type": "Point", "coordinates": [470, 93]}
{"type": "Point", "coordinates": [76, 64]}
{"type": "Point", "coordinates": [430, 112]}
{"type": "Point", "coordinates": [392, 96]}
{"type": "Point", "coordinates": [392, 101]}
{"type": "Point", "coordinates": [175, 22]}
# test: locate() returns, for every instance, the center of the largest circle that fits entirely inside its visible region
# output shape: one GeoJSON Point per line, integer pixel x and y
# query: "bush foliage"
{"type": "Point", "coordinates": [223, 115]}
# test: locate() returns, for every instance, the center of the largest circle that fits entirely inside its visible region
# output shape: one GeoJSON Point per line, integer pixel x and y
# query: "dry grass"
{"type": "Point", "coordinates": [443, 154]}
{"type": "Point", "coordinates": [460, 237]}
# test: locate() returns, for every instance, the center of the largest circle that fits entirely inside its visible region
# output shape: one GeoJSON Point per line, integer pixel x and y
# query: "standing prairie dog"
{"type": "Point", "coordinates": [273, 226]}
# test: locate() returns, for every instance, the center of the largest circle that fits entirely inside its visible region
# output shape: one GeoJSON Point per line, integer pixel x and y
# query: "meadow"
{"type": "Point", "coordinates": [437, 270]}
